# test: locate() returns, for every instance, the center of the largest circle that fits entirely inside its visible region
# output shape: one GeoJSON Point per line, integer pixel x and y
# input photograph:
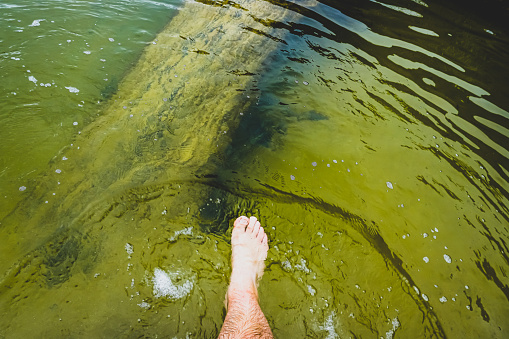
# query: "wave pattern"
{"type": "Point", "coordinates": [364, 135]}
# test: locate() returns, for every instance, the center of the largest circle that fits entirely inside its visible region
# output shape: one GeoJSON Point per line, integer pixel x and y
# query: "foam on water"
{"type": "Point", "coordinates": [185, 231]}
{"type": "Point", "coordinates": [328, 326]}
{"type": "Point", "coordinates": [72, 89]}
{"type": "Point", "coordinates": [395, 326]}
{"type": "Point", "coordinates": [36, 23]}
{"type": "Point", "coordinates": [129, 248]}
{"type": "Point", "coordinates": [164, 286]}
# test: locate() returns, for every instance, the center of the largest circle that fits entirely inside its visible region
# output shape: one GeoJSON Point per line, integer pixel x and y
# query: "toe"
{"type": "Point", "coordinates": [251, 225]}
{"type": "Point", "coordinates": [241, 222]}
{"type": "Point", "coordinates": [260, 234]}
{"type": "Point", "coordinates": [265, 240]}
{"type": "Point", "coordinates": [256, 228]}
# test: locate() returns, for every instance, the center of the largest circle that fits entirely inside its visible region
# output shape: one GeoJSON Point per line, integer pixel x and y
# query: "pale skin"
{"type": "Point", "coordinates": [244, 317]}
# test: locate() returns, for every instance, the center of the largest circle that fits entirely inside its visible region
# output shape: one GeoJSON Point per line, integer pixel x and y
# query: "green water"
{"type": "Point", "coordinates": [369, 138]}
{"type": "Point", "coordinates": [50, 50]}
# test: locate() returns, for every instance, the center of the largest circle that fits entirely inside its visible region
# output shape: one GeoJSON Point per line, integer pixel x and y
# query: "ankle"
{"type": "Point", "coordinates": [241, 294]}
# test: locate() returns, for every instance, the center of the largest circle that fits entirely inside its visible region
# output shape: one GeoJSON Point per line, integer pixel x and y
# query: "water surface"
{"type": "Point", "coordinates": [369, 137]}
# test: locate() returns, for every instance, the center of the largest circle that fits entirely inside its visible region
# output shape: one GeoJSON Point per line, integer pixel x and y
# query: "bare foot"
{"type": "Point", "coordinates": [249, 251]}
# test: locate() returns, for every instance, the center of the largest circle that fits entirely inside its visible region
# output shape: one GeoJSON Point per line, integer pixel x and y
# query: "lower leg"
{"type": "Point", "coordinates": [245, 318]}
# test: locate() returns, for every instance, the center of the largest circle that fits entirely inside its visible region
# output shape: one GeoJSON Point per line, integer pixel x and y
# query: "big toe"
{"type": "Point", "coordinates": [241, 223]}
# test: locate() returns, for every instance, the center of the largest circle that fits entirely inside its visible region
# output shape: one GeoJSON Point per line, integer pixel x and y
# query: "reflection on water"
{"type": "Point", "coordinates": [370, 138]}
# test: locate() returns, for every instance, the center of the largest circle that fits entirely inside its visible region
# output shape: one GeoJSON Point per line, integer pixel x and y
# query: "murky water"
{"type": "Point", "coordinates": [369, 137]}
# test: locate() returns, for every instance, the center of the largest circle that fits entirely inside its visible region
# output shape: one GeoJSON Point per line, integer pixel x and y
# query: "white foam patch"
{"type": "Point", "coordinates": [395, 325]}
{"type": "Point", "coordinates": [144, 305]}
{"type": "Point", "coordinates": [33, 79]}
{"type": "Point", "coordinates": [389, 184]}
{"type": "Point", "coordinates": [447, 258]}
{"type": "Point", "coordinates": [328, 326]}
{"type": "Point", "coordinates": [164, 287]}
{"type": "Point", "coordinates": [36, 23]}
{"type": "Point", "coordinates": [302, 266]}
{"type": "Point", "coordinates": [185, 231]}
{"type": "Point", "coordinates": [286, 265]}
{"type": "Point", "coordinates": [72, 89]}
{"type": "Point", "coordinates": [129, 248]}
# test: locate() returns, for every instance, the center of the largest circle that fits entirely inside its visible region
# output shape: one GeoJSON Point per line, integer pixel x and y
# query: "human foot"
{"type": "Point", "coordinates": [249, 251]}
